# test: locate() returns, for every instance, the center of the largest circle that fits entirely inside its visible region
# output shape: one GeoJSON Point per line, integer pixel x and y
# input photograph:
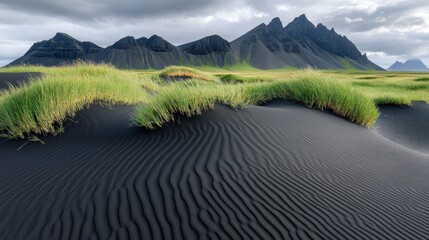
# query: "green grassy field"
{"type": "Point", "coordinates": [41, 106]}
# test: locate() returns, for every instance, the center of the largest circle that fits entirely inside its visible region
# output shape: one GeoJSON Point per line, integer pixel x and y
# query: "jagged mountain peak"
{"type": "Point", "coordinates": [302, 17]}
{"type": "Point", "coordinates": [321, 26]}
{"type": "Point", "coordinates": [159, 44]}
{"type": "Point", "coordinates": [62, 36]}
{"type": "Point", "coordinates": [206, 45]}
{"type": "Point", "coordinates": [275, 25]}
{"type": "Point", "coordinates": [300, 26]}
{"type": "Point", "coordinates": [155, 37]}
{"type": "Point", "coordinates": [125, 43]}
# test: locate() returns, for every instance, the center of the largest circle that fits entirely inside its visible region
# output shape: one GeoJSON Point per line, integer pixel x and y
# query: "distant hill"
{"type": "Point", "coordinates": [299, 44]}
{"type": "Point", "coordinates": [409, 65]}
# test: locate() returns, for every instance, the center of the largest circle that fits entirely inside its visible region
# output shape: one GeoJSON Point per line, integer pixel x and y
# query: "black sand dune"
{"type": "Point", "coordinates": [14, 79]}
{"type": "Point", "coordinates": [280, 171]}
{"type": "Point", "coordinates": [406, 126]}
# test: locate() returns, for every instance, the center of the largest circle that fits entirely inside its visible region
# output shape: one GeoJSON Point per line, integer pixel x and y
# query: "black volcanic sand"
{"type": "Point", "coordinates": [406, 126]}
{"type": "Point", "coordinates": [279, 171]}
{"type": "Point", "coordinates": [15, 79]}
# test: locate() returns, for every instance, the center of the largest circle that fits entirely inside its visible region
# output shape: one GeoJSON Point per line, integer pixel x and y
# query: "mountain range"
{"type": "Point", "coordinates": [298, 44]}
{"type": "Point", "coordinates": [409, 65]}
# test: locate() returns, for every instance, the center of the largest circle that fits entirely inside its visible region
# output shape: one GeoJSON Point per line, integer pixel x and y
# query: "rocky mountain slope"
{"type": "Point", "coordinates": [60, 49]}
{"type": "Point", "coordinates": [299, 44]}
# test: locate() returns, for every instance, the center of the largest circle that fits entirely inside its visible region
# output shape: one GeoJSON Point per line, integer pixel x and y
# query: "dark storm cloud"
{"type": "Point", "coordinates": [385, 29]}
{"type": "Point", "coordinates": [88, 10]}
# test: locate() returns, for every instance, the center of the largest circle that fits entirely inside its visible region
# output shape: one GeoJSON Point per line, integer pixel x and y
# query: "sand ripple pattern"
{"type": "Point", "coordinates": [280, 171]}
{"type": "Point", "coordinates": [406, 126]}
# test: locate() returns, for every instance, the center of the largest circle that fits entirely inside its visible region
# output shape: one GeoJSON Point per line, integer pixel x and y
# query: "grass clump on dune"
{"type": "Point", "coordinates": [40, 107]}
{"type": "Point", "coordinates": [312, 88]}
{"type": "Point", "coordinates": [236, 79]}
{"type": "Point", "coordinates": [186, 72]}
{"type": "Point", "coordinates": [320, 91]}
{"type": "Point", "coordinates": [187, 98]}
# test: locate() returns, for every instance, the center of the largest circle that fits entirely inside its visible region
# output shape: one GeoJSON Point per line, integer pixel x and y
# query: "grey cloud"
{"type": "Point", "coordinates": [388, 45]}
{"type": "Point", "coordinates": [81, 10]}
{"type": "Point", "coordinates": [23, 22]}
{"type": "Point", "coordinates": [387, 15]}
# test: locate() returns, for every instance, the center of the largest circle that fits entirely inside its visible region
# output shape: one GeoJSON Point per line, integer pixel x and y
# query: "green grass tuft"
{"type": "Point", "coordinates": [186, 72]}
{"type": "Point", "coordinates": [236, 79]}
{"type": "Point", "coordinates": [368, 77]}
{"type": "Point", "coordinates": [188, 98]}
{"type": "Point", "coordinates": [322, 92]}
{"type": "Point", "coordinates": [422, 79]}
{"type": "Point", "coordinates": [392, 100]}
{"type": "Point", "coordinates": [312, 88]}
{"type": "Point", "coordinates": [40, 107]}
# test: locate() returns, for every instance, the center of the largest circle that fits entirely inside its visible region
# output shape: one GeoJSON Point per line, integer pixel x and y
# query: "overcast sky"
{"type": "Point", "coordinates": [386, 30]}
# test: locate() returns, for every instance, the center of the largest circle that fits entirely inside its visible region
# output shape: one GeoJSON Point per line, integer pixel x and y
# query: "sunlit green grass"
{"type": "Point", "coordinates": [186, 98]}
{"type": "Point", "coordinates": [312, 88]}
{"type": "Point", "coordinates": [41, 106]}
{"type": "Point", "coordinates": [186, 72]}
{"type": "Point", "coordinates": [237, 79]}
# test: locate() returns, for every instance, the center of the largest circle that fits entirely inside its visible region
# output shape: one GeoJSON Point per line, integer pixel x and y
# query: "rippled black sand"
{"type": "Point", "coordinates": [279, 171]}
{"type": "Point", "coordinates": [406, 126]}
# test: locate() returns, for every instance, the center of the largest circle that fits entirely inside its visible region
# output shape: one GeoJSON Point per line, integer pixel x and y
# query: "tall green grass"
{"type": "Point", "coordinates": [41, 106]}
{"type": "Point", "coordinates": [312, 88]}
{"type": "Point", "coordinates": [186, 72]}
{"type": "Point", "coordinates": [320, 91]}
{"type": "Point", "coordinates": [236, 79]}
{"type": "Point", "coordinates": [187, 98]}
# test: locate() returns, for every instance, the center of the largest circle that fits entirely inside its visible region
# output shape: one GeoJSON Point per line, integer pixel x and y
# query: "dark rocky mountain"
{"type": "Point", "coordinates": [298, 45]}
{"type": "Point", "coordinates": [211, 51]}
{"type": "Point", "coordinates": [60, 49]}
{"type": "Point", "coordinates": [141, 53]}
{"type": "Point", "coordinates": [409, 65]}
{"type": "Point", "coordinates": [207, 45]}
